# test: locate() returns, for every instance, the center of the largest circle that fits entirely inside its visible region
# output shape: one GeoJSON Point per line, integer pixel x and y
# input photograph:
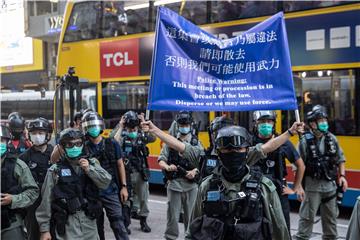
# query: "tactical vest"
{"type": "Point", "coordinates": [273, 166]}
{"type": "Point", "coordinates": [38, 162]}
{"type": "Point", "coordinates": [208, 163]}
{"type": "Point", "coordinates": [9, 184]}
{"type": "Point", "coordinates": [245, 220]}
{"type": "Point", "coordinates": [321, 166]}
{"type": "Point", "coordinates": [177, 160]}
{"type": "Point", "coordinates": [136, 153]}
{"type": "Point", "coordinates": [74, 192]}
{"type": "Point", "coordinates": [106, 156]}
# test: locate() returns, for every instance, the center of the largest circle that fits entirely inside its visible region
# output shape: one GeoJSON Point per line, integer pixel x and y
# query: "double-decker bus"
{"type": "Point", "coordinates": [110, 44]}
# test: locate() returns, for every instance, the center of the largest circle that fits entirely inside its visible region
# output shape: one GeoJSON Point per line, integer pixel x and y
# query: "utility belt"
{"type": "Point", "coordinates": [62, 208]}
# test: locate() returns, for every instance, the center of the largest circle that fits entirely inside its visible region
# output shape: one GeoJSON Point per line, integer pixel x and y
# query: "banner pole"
{"type": "Point", "coordinates": [147, 114]}
{"type": "Point", "coordinates": [297, 115]}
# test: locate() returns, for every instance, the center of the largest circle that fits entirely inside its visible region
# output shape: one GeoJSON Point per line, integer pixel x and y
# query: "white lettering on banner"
{"type": "Point", "coordinates": [118, 59]}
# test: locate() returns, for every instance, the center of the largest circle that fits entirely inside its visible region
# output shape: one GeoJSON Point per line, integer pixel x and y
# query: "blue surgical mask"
{"type": "Point", "coordinates": [74, 152]}
{"type": "Point", "coordinates": [94, 131]}
{"type": "Point", "coordinates": [3, 148]}
{"type": "Point", "coordinates": [133, 135]}
{"type": "Point", "coordinates": [184, 130]}
{"type": "Point", "coordinates": [265, 129]}
{"type": "Point", "coordinates": [323, 127]}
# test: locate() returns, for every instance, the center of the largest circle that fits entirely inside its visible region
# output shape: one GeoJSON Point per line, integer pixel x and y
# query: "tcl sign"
{"type": "Point", "coordinates": [119, 58]}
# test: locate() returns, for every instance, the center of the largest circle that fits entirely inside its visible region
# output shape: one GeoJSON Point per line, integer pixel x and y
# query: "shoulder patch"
{"type": "Point", "coordinates": [268, 183]}
{"type": "Point", "coordinates": [21, 163]}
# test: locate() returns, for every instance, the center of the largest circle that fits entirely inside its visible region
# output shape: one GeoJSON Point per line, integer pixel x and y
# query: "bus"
{"type": "Point", "coordinates": [110, 44]}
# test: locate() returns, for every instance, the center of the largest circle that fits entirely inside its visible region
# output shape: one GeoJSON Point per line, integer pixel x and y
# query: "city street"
{"type": "Point", "coordinates": [157, 222]}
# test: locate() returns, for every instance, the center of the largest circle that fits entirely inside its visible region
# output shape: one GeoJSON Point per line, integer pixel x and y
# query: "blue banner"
{"type": "Point", "coordinates": [193, 70]}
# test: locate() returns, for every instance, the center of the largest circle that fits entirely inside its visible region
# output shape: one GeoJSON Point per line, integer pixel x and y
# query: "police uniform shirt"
{"type": "Point", "coordinates": [321, 185]}
{"type": "Point", "coordinates": [27, 197]}
{"type": "Point", "coordinates": [192, 154]}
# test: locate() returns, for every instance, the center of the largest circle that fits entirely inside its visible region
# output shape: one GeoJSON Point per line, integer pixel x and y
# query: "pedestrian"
{"type": "Point", "coordinates": [37, 157]}
{"type": "Point", "coordinates": [182, 175]}
{"type": "Point", "coordinates": [108, 153]}
{"type": "Point", "coordinates": [18, 190]}
{"type": "Point", "coordinates": [70, 201]}
{"type": "Point", "coordinates": [324, 162]}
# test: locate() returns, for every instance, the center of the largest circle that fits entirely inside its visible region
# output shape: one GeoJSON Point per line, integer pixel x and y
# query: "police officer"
{"type": "Point", "coordinates": [181, 174]}
{"type": "Point", "coordinates": [133, 143]}
{"type": "Point", "coordinates": [18, 190]}
{"type": "Point", "coordinates": [19, 143]}
{"type": "Point", "coordinates": [324, 161]}
{"type": "Point", "coordinates": [211, 161]}
{"type": "Point", "coordinates": [37, 157]}
{"type": "Point", "coordinates": [70, 193]}
{"type": "Point", "coordinates": [274, 166]}
{"type": "Point", "coordinates": [236, 171]}
{"type": "Point", "coordinates": [353, 232]}
{"type": "Point", "coordinates": [108, 152]}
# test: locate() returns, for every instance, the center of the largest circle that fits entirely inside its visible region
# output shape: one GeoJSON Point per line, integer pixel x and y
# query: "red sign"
{"type": "Point", "coordinates": [119, 58]}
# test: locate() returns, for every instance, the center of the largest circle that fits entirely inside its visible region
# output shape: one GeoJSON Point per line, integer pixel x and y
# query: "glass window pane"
{"type": "Point", "coordinates": [335, 90]}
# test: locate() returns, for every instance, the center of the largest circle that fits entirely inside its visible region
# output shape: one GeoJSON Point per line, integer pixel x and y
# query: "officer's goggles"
{"type": "Point", "coordinates": [231, 142]}
{"type": "Point", "coordinates": [73, 144]}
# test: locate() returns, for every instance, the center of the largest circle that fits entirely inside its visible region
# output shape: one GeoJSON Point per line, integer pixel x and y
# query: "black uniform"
{"type": "Point", "coordinates": [39, 163]}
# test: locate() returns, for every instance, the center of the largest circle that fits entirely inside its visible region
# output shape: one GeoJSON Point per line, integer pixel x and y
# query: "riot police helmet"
{"type": "Point", "coordinates": [41, 124]}
{"type": "Point", "coordinates": [184, 117]}
{"type": "Point", "coordinates": [16, 123]}
{"type": "Point", "coordinates": [220, 122]}
{"type": "Point", "coordinates": [264, 115]}
{"type": "Point", "coordinates": [92, 121]}
{"type": "Point", "coordinates": [232, 137]}
{"type": "Point", "coordinates": [5, 132]}
{"type": "Point", "coordinates": [70, 134]}
{"type": "Point", "coordinates": [131, 119]}
{"type": "Point", "coordinates": [319, 112]}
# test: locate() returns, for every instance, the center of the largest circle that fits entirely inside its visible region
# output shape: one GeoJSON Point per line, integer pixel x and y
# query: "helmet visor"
{"type": "Point", "coordinates": [231, 142]}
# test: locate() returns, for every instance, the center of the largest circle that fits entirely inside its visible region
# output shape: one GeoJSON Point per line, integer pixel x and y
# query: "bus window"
{"type": "Point", "coordinates": [336, 91]}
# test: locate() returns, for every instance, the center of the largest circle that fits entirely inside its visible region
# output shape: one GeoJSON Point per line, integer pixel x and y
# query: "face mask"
{"type": "Point", "coordinates": [3, 148]}
{"type": "Point", "coordinates": [323, 127]}
{"type": "Point", "coordinates": [38, 139]}
{"type": "Point", "coordinates": [184, 130]}
{"type": "Point", "coordinates": [74, 152]}
{"type": "Point", "coordinates": [265, 129]}
{"type": "Point", "coordinates": [233, 165]}
{"type": "Point", "coordinates": [132, 135]}
{"type": "Point", "coordinates": [94, 131]}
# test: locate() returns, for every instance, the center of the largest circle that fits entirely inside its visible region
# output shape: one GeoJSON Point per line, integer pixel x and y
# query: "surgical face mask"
{"type": "Point", "coordinates": [3, 148]}
{"type": "Point", "coordinates": [73, 152]}
{"type": "Point", "coordinates": [133, 135]}
{"type": "Point", "coordinates": [94, 131]}
{"type": "Point", "coordinates": [38, 139]}
{"type": "Point", "coordinates": [265, 129]}
{"type": "Point", "coordinates": [184, 130]}
{"type": "Point", "coordinates": [323, 126]}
